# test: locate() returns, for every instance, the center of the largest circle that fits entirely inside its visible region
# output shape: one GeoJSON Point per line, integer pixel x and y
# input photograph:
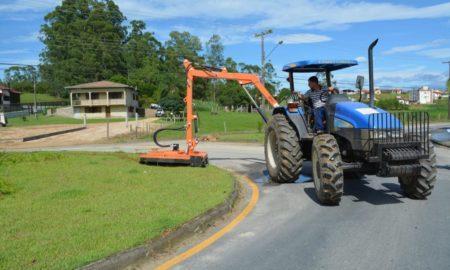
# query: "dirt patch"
{"type": "Point", "coordinates": [11, 138]}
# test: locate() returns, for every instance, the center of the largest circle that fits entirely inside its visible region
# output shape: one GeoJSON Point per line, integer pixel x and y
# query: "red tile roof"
{"type": "Point", "coordinates": [5, 87]}
{"type": "Point", "coordinates": [99, 84]}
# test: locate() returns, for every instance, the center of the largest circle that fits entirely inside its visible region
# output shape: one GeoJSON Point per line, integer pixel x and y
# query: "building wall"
{"type": "Point", "coordinates": [115, 112]}
{"type": "Point", "coordinates": [425, 97]}
{"type": "Point", "coordinates": [5, 97]}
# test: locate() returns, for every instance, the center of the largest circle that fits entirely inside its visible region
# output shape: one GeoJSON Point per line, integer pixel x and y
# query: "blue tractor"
{"type": "Point", "coordinates": [359, 139]}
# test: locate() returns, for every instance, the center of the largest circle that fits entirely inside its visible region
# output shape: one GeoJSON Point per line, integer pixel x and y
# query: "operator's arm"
{"type": "Point", "coordinates": [305, 96]}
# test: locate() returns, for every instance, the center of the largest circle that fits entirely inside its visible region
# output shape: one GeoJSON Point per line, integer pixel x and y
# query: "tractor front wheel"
{"type": "Point", "coordinates": [420, 186]}
{"type": "Point", "coordinates": [327, 171]}
{"type": "Point", "coordinates": [282, 150]}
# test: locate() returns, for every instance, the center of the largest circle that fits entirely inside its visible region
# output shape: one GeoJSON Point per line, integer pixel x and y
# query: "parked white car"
{"type": "Point", "coordinates": [159, 112]}
{"type": "Point", "coordinates": [3, 120]}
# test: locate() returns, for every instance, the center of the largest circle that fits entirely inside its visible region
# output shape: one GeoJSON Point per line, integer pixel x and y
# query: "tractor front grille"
{"type": "Point", "coordinates": [399, 134]}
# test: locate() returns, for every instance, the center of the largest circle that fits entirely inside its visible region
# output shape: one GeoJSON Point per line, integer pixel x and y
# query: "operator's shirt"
{"type": "Point", "coordinates": [315, 97]}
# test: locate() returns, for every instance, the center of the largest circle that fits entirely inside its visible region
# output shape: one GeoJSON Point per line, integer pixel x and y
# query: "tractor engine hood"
{"type": "Point", "coordinates": [357, 114]}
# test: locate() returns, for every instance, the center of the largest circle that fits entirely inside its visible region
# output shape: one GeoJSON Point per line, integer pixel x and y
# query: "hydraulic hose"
{"type": "Point", "coordinates": [155, 135]}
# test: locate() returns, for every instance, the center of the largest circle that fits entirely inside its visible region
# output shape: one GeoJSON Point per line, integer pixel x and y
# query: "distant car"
{"type": "Point", "coordinates": [154, 106]}
{"type": "Point", "coordinates": [159, 112]}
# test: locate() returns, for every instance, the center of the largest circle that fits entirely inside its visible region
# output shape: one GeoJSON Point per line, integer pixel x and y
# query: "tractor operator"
{"type": "Point", "coordinates": [318, 96]}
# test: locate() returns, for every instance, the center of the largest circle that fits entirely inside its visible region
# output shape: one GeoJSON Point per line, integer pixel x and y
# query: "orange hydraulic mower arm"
{"type": "Point", "coordinates": [241, 78]}
{"type": "Point", "coordinates": [192, 157]}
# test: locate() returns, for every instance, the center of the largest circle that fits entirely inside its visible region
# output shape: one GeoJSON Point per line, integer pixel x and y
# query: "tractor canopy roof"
{"type": "Point", "coordinates": [319, 65]}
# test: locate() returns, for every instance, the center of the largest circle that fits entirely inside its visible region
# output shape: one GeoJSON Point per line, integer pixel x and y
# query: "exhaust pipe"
{"type": "Point", "coordinates": [371, 86]}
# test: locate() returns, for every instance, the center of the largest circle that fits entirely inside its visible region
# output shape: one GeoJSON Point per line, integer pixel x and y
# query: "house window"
{"type": "Point", "coordinates": [6, 98]}
{"type": "Point", "coordinates": [76, 96]}
{"type": "Point", "coordinates": [86, 96]}
{"type": "Point", "coordinates": [93, 109]}
{"type": "Point", "coordinates": [115, 95]}
{"type": "Point", "coordinates": [130, 109]}
{"type": "Point", "coordinates": [95, 95]}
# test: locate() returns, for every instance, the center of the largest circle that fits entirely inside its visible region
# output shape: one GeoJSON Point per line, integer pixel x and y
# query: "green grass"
{"type": "Point", "coordinates": [29, 98]}
{"type": "Point", "coordinates": [242, 137]}
{"type": "Point", "coordinates": [68, 209]}
{"type": "Point", "coordinates": [228, 126]}
{"type": "Point", "coordinates": [438, 112]}
{"type": "Point", "coordinates": [54, 120]}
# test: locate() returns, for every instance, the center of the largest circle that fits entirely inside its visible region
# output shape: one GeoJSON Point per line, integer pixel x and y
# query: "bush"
{"type": "Point", "coordinates": [260, 126]}
{"type": "Point", "coordinates": [5, 187]}
{"type": "Point", "coordinates": [391, 104]}
{"type": "Point", "coordinates": [172, 103]}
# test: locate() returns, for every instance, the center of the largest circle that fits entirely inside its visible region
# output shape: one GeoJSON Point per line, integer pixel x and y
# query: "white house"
{"type": "Point", "coordinates": [8, 96]}
{"type": "Point", "coordinates": [103, 99]}
{"type": "Point", "coordinates": [424, 95]}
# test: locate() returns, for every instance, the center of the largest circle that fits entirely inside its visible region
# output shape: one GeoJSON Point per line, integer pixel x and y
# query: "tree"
{"type": "Point", "coordinates": [214, 51]}
{"type": "Point", "coordinates": [214, 57]}
{"type": "Point", "coordinates": [143, 55]}
{"type": "Point", "coordinates": [180, 46]}
{"type": "Point", "coordinates": [83, 42]}
{"type": "Point", "coordinates": [21, 77]}
{"type": "Point", "coordinates": [284, 94]}
{"type": "Point", "coordinates": [140, 46]}
{"type": "Point", "coordinates": [323, 79]}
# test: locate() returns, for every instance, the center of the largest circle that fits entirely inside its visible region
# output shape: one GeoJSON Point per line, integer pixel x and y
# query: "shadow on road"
{"type": "Point", "coordinates": [256, 160]}
{"type": "Point", "coordinates": [362, 192]}
{"type": "Point", "coordinates": [445, 167]}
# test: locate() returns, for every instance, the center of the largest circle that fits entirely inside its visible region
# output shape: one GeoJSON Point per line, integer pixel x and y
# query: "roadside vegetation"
{"type": "Point", "coordinates": [223, 126]}
{"type": "Point", "coordinates": [438, 111]}
{"type": "Point", "coordinates": [55, 216]}
{"type": "Point", "coordinates": [29, 98]}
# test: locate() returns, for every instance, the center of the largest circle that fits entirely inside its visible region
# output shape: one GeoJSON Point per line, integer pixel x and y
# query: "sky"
{"type": "Point", "coordinates": [414, 35]}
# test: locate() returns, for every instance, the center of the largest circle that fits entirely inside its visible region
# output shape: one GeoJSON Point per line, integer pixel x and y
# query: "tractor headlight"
{"type": "Point", "coordinates": [339, 123]}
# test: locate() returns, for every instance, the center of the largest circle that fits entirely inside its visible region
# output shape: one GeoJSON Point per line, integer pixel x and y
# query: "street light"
{"type": "Point", "coordinates": [273, 49]}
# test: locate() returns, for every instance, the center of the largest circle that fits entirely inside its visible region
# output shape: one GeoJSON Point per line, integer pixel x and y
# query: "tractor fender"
{"type": "Point", "coordinates": [296, 119]}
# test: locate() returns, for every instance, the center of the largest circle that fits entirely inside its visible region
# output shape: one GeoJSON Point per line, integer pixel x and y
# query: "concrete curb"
{"type": "Point", "coordinates": [45, 135]}
{"type": "Point", "coordinates": [440, 144]}
{"type": "Point", "coordinates": [125, 258]}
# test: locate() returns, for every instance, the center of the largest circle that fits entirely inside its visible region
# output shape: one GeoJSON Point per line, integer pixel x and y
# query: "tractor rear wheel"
{"type": "Point", "coordinates": [327, 171]}
{"type": "Point", "coordinates": [420, 186]}
{"type": "Point", "coordinates": [282, 150]}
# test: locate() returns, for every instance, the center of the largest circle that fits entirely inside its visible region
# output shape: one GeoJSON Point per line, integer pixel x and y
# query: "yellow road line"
{"type": "Point", "coordinates": [199, 247]}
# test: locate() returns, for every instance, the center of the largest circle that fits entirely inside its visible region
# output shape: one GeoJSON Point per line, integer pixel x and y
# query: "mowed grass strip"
{"type": "Point", "coordinates": [55, 120]}
{"type": "Point", "coordinates": [65, 210]}
{"type": "Point", "coordinates": [226, 126]}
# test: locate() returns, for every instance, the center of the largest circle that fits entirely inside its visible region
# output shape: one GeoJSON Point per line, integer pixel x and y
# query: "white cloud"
{"type": "Point", "coordinates": [16, 51]}
{"type": "Point", "coordinates": [361, 59]}
{"type": "Point", "coordinates": [319, 14]}
{"type": "Point", "coordinates": [442, 53]}
{"type": "Point", "coordinates": [415, 47]}
{"type": "Point", "coordinates": [300, 38]}
{"type": "Point", "coordinates": [28, 5]}
{"type": "Point", "coordinates": [406, 77]}
{"type": "Point", "coordinates": [31, 37]}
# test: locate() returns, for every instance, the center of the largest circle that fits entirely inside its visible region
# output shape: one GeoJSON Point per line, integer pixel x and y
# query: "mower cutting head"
{"type": "Point", "coordinates": [175, 157]}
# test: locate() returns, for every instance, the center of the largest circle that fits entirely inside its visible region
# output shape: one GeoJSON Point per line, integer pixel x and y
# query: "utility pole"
{"type": "Point", "coordinates": [263, 55]}
{"type": "Point", "coordinates": [448, 89]}
{"type": "Point", "coordinates": [34, 92]}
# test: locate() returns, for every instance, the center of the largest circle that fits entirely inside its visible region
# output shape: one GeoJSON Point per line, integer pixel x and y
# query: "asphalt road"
{"type": "Point", "coordinates": [374, 227]}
